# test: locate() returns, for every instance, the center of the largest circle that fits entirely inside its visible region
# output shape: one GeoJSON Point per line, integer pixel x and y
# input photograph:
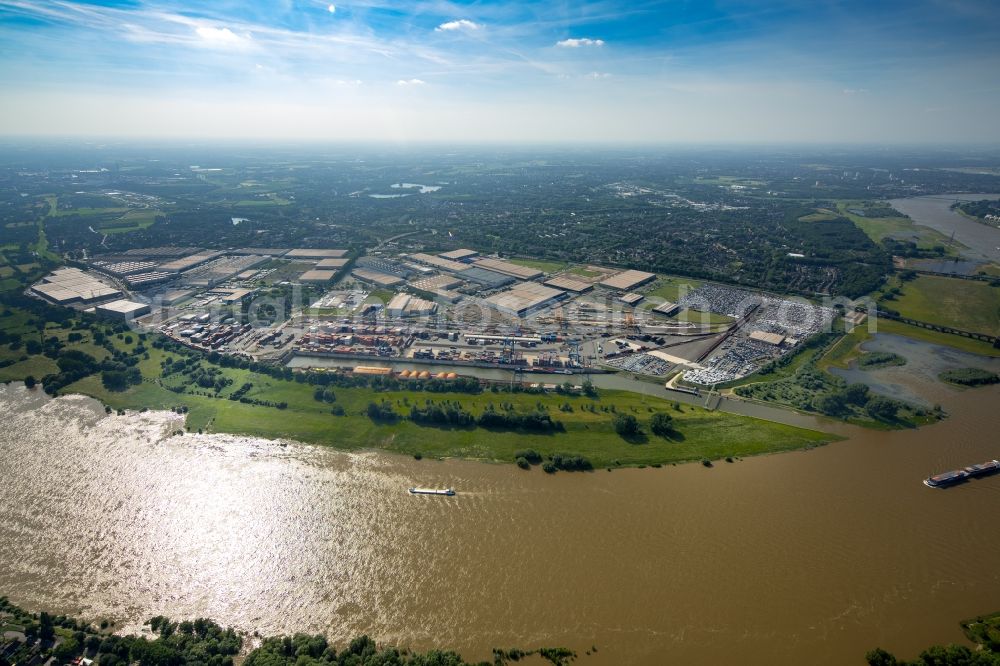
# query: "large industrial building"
{"type": "Point", "coordinates": [189, 262]}
{"type": "Point", "coordinates": [317, 277]}
{"type": "Point", "coordinates": [141, 280]}
{"type": "Point", "coordinates": [405, 305]}
{"type": "Point", "coordinates": [628, 280]}
{"type": "Point", "coordinates": [71, 285]}
{"type": "Point", "coordinates": [126, 267]}
{"type": "Point", "coordinates": [437, 262]}
{"type": "Point", "coordinates": [436, 282]}
{"type": "Point", "coordinates": [769, 338]}
{"type": "Point", "coordinates": [484, 278]}
{"type": "Point", "coordinates": [526, 298]}
{"type": "Point", "coordinates": [376, 278]}
{"type": "Point", "coordinates": [459, 255]}
{"type": "Point", "coordinates": [263, 251]}
{"type": "Point", "coordinates": [631, 298]}
{"type": "Point", "coordinates": [508, 268]}
{"type": "Point", "coordinates": [221, 269]}
{"type": "Point", "coordinates": [332, 264]}
{"type": "Point", "coordinates": [387, 266]}
{"type": "Point", "coordinates": [122, 309]}
{"type": "Point", "coordinates": [667, 309]}
{"type": "Point", "coordinates": [569, 284]}
{"type": "Point", "coordinates": [314, 253]}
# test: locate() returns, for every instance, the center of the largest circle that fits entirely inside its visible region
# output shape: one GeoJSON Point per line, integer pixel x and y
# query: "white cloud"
{"type": "Point", "coordinates": [410, 82]}
{"type": "Point", "coordinates": [332, 9]}
{"type": "Point", "coordinates": [460, 24]}
{"type": "Point", "coordinates": [577, 43]}
{"type": "Point", "coordinates": [855, 91]}
{"type": "Point", "coordinates": [598, 75]}
{"type": "Point", "coordinates": [220, 37]}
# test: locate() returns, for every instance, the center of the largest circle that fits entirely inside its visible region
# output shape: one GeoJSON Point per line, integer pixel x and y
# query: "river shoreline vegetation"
{"type": "Point", "coordinates": [201, 642]}
{"type": "Point", "coordinates": [983, 631]}
{"type": "Point", "coordinates": [984, 211]}
{"type": "Point", "coordinates": [969, 377]}
{"type": "Point", "coordinates": [873, 360]}
{"type": "Point", "coordinates": [803, 382]}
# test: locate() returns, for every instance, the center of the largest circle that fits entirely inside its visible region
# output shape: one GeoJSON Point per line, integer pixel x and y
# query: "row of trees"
{"type": "Point", "coordinates": [450, 413]}
{"type": "Point", "coordinates": [627, 426]}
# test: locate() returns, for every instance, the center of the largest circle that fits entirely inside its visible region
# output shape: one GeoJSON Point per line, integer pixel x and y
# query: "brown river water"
{"type": "Point", "coordinates": [807, 557]}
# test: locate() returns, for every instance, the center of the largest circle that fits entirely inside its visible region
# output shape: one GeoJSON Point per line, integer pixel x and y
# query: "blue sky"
{"type": "Point", "coordinates": [756, 71]}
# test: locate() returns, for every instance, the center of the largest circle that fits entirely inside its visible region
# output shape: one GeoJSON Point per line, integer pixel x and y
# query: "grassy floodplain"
{"type": "Point", "coordinates": [588, 432]}
{"type": "Point", "coordinates": [540, 264]}
{"type": "Point", "coordinates": [966, 304]}
{"type": "Point", "coordinates": [878, 228]}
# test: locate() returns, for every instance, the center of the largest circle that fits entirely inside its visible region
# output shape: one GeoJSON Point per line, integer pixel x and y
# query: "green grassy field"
{"type": "Point", "coordinates": [271, 200]}
{"type": "Point", "coordinates": [878, 228]}
{"type": "Point", "coordinates": [701, 434]}
{"type": "Point", "coordinates": [583, 271]}
{"type": "Point", "coordinates": [965, 304]}
{"type": "Point", "coordinates": [821, 215]}
{"type": "Point", "coordinates": [845, 350]}
{"type": "Point", "coordinates": [36, 366]}
{"type": "Point", "coordinates": [132, 220]}
{"type": "Point", "coordinates": [699, 317]}
{"type": "Point", "coordinates": [540, 264]}
{"type": "Point", "coordinates": [983, 630]}
{"type": "Point", "coordinates": [671, 288]}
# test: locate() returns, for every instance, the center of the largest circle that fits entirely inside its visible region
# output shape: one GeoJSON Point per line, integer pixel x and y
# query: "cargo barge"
{"type": "Point", "coordinates": [945, 479]}
{"type": "Point", "coordinates": [433, 491]}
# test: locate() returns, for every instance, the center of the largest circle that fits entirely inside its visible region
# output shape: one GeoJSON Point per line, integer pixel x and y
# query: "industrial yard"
{"type": "Point", "coordinates": [456, 309]}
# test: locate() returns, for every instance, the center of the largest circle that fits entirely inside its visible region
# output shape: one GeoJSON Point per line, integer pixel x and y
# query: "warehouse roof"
{"type": "Point", "coordinates": [436, 282]}
{"type": "Point", "coordinates": [569, 284]}
{"type": "Point", "coordinates": [376, 277]}
{"type": "Point", "coordinates": [769, 338]}
{"type": "Point", "coordinates": [488, 279]}
{"type": "Point", "coordinates": [667, 308]}
{"type": "Point", "coordinates": [525, 297]}
{"type": "Point", "coordinates": [627, 280]}
{"type": "Point", "coordinates": [263, 251]}
{"type": "Point", "coordinates": [317, 276]}
{"type": "Point", "coordinates": [332, 263]}
{"type": "Point", "coordinates": [439, 262]}
{"type": "Point", "coordinates": [314, 253]}
{"type": "Point", "coordinates": [184, 263]}
{"type": "Point", "coordinates": [65, 285]}
{"type": "Point", "coordinates": [457, 255]}
{"type": "Point", "coordinates": [124, 307]}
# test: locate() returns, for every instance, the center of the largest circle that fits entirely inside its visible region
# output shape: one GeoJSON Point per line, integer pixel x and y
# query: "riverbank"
{"type": "Point", "coordinates": [588, 429]}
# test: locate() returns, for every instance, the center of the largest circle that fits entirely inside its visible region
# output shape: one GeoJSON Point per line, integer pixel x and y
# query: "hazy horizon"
{"type": "Point", "coordinates": [725, 73]}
